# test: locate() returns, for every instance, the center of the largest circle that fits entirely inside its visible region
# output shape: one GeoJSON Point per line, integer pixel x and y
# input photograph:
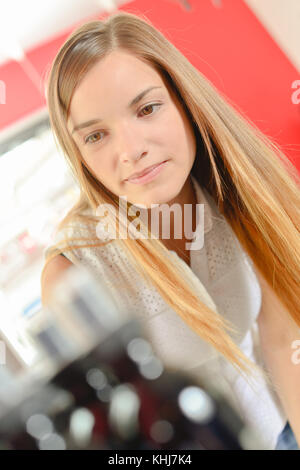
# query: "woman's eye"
{"type": "Point", "coordinates": [154, 105]}
{"type": "Point", "coordinates": [93, 138]}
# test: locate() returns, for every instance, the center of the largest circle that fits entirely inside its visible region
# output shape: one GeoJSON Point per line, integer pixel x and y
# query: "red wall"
{"type": "Point", "coordinates": [227, 44]}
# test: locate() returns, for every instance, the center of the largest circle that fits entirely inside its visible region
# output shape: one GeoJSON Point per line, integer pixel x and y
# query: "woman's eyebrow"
{"type": "Point", "coordinates": [135, 100]}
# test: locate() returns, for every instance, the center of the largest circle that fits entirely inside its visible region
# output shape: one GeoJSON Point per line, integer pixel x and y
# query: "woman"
{"type": "Point", "coordinates": [121, 99]}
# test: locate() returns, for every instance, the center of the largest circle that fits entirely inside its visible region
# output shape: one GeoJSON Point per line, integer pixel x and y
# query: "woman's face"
{"type": "Point", "coordinates": [118, 135]}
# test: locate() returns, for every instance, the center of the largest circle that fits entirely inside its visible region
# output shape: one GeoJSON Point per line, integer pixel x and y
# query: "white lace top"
{"type": "Point", "coordinates": [225, 280]}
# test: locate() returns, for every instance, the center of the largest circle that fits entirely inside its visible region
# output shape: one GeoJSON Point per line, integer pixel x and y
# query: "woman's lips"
{"type": "Point", "coordinates": [149, 176]}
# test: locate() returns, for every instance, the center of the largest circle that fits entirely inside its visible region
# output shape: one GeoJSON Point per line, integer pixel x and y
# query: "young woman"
{"type": "Point", "coordinates": [123, 99]}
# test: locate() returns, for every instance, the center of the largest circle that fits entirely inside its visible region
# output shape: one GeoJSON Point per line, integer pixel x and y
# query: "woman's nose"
{"type": "Point", "coordinates": [129, 146]}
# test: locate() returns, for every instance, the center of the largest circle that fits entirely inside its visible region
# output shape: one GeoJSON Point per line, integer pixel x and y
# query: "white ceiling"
{"type": "Point", "coordinates": [29, 22]}
{"type": "Point", "coordinates": [282, 19]}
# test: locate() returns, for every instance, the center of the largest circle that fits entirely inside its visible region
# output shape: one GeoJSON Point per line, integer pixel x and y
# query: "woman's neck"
{"type": "Point", "coordinates": [179, 229]}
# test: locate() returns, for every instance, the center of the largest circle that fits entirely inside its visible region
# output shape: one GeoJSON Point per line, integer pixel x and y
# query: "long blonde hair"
{"type": "Point", "coordinates": [253, 183]}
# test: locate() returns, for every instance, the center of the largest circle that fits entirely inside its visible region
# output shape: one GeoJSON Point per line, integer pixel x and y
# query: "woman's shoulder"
{"type": "Point", "coordinates": [76, 232]}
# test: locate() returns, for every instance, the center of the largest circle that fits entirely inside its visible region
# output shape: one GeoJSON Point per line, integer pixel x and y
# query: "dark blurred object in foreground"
{"type": "Point", "coordinates": [107, 389]}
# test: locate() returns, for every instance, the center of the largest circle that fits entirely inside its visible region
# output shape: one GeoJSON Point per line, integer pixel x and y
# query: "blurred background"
{"type": "Point", "coordinates": [248, 48]}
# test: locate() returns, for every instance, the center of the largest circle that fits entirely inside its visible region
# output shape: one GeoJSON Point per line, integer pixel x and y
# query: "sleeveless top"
{"type": "Point", "coordinates": [223, 275]}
